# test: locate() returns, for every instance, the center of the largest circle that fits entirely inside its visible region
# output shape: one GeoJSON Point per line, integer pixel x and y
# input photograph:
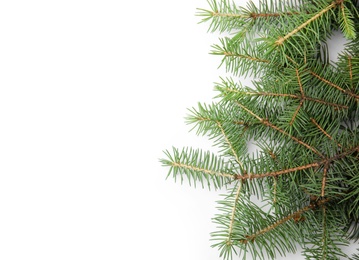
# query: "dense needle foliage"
{"type": "Point", "coordinates": [302, 114]}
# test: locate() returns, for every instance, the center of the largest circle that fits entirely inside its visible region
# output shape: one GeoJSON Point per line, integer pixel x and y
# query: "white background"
{"type": "Point", "coordinates": [91, 92]}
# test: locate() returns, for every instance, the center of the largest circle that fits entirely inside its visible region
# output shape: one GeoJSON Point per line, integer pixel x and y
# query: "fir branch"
{"type": "Point", "coordinates": [326, 239]}
{"type": "Point", "coordinates": [274, 190]}
{"type": "Point", "coordinates": [239, 62]}
{"type": "Point", "coordinates": [323, 131]}
{"type": "Point", "coordinates": [296, 112]}
{"type": "Point", "coordinates": [222, 15]}
{"type": "Point", "coordinates": [247, 15]}
{"type": "Point", "coordinates": [228, 15]}
{"type": "Point", "coordinates": [324, 179]}
{"type": "Point", "coordinates": [299, 83]}
{"type": "Point", "coordinates": [198, 166]}
{"type": "Point", "coordinates": [315, 164]}
{"type": "Point", "coordinates": [249, 176]}
{"type": "Point", "coordinates": [228, 90]}
{"type": "Point", "coordinates": [269, 124]}
{"type": "Point", "coordinates": [346, 22]}
{"type": "Point", "coordinates": [320, 101]}
{"type": "Point", "coordinates": [210, 120]}
{"type": "Point", "coordinates": [198, 169]}
{"type": "Point", "coordinates": [267, 15]}
{"type": "Point", "coordinates": [301, 100]}
{"type": "Point", "coordinates": [293, 216]}
{"type": "Point", "coordinates": [230, 145]}
{"type": "Point", "coordinates": [281, 40]}
{"type": "Point", "coordinates": [238, 55]}
{"type": "Point", "coordinates": [350, 68]}
{"type": "Point", "coordinates": [324, 229]}
{"type": "Point", "coordinates": [250, 112]}
{"type": "Point", "coordinates": [326, 81]}
{"type": "Point", "coordinates": [234, 208]}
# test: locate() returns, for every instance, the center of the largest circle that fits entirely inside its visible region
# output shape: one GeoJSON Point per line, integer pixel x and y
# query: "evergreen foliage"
{"type": "Point", "coordinates": [302, 113]}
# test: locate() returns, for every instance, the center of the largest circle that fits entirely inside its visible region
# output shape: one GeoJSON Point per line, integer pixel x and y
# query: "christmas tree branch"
{"type": "Point", "coordinates": [267, 15]}
{"type": "Point", "coordinates": [324, 179]}
{"type": "Point", "coordinates": [198, 166]}
{"type": "Point", "coordinates": [233, 213]}
{"type": "Point", "coordinates": [237, 60]}
{"type": "Point", "coordinates": [238, 55]}
{"type": "Point", "coordinates": [251, 15]}
{"type": "Point", "coordinates": [296, 112]}
{"type": "Point", "coordinates": [217, 122]}
{"type": "Point", "coordinates": [229, 143]}
{"type": "Point", "coordinates": [261, 93]}
{"type": "Point", "coordinates": [249, 176]}
{"type": "Point", "coordinates": [323, 131]}
{"type": "Point", "coordinates": [326, 162]}
{"type": "Point", "coordinates": [350, 68]}
{"type": "Point", "coordinates": [337, 106]}
{"type": "Point", "coordinates": [281, 40]}
{"type": "Point", "coordinates": [346, 22]}
{"type": "Point", "coordinates": [231, 90]}
{"type": "Point", "coordinates": [274, 189]}
{"type": "Point", "coordinates": [301, 99]}
{"type": "Point", "coordinates": [184, 166]}
{"type": "Point", "coordinates": [227, 15]}
{"type": "Point", "coordinates": [324, 236]}
{"type": "Point", "coordinates": [350, 93]}
{"type": "Point", "coordinates": [293, 216]}
{"type": "Point", "coordinates": [269, 124]}
{"type": "Point", "coordinates": [299, 83]}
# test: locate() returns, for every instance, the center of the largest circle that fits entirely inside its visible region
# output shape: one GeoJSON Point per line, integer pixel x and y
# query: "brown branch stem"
{"type": "Point", "coordinates": [323, 131]}
{"type": "Point", "coordinates": [198, 169]}
{"type": "Point", "coordinates": [248, 57]}
{"type": "Point", "coordinates": [281, 40]}
{"type": "Point", "coordinates": [350, 93]}
{"type": "Point", "coordinates": [294, 216]}
{"type": "Point", "coordinates": [252, 237]}
{"type": "Point", "coordinates": [229, 144]}
{"type": "Point", "coordinates": [324, 162]}
{"type": "Point", "coordinates": [324, 179]}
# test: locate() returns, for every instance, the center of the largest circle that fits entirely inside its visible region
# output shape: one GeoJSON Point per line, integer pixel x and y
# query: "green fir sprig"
{"type": "Point", "coordinates": [302, 114]}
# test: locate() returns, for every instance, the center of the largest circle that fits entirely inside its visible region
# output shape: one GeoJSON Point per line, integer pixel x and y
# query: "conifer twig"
{"type": "Point", "coordinates": [230, 144]}
{"type": "Point", "coordinates": [324, 179]}
{"type": "Point", "coordinates": [203, 170]}
{"type": "Point", "coordinates": [281, 40]}
{"type": "Point", "coordinates": [248, 57]}
{"type": "Point", "coordinates": [252, 237]}
{"type": "Point", "coordinates": [350, 68]}
{"type": "Point", "coordinates": [323, 131]}
{"type": "Point", "coordinates": [350, 93]}
{"type": "Point", "coordinates": [287, 95]}
{"type": "Point", "coordinates": [248, 176]}
{"type": "Point", "coordinates": [301, 100]}
{"type": "Point", "coordinates": [269, 124]}
{"type": "Point", "coordinates": [234, 208]}
{"type": "Point", "coordinates": [325, 161]}
{"type": "Point", "coordinates": [316, 100]}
